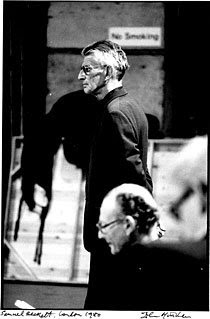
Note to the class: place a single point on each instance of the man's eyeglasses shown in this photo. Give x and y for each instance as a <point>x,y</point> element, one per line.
<point>87,68</point>
<point>102,227</point>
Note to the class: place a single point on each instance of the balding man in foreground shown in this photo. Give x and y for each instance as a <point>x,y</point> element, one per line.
<point>160,275</point>
<point>128,220</point>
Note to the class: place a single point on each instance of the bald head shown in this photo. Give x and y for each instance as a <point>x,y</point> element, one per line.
<point>128,213</point>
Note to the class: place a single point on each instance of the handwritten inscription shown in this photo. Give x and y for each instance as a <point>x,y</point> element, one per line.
<point>24,313</point>
<point>91,314</point>
<point>149,315</point>
<point>69,314</point>
<point>86,314</point>
<point>165,314</point>
<point>45,314</point>
<point>50,314</point>
<point>6,313</point>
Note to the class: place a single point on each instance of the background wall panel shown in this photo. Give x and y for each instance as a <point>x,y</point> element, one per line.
<point>75,24</point>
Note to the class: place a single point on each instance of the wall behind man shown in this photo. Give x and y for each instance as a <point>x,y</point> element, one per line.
<point>73,25</point>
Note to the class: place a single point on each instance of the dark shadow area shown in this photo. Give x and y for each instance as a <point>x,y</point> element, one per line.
<point>186,69</point>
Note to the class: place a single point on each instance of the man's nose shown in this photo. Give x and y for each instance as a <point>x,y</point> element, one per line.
<point>100,234</point>
<point>81,75</point>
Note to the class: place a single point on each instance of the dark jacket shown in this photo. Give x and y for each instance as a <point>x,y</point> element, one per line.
<point>160,276</point>
<point>118,155</point>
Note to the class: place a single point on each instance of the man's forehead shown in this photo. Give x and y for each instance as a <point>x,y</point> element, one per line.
<point>90,60</point>
<point>109,209</point>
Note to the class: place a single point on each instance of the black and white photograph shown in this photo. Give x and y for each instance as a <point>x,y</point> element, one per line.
<point>104,175</point>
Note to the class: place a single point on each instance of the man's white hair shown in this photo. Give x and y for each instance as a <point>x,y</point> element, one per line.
<point>135,190</point>
<point>109,53</point>
<point>152,230</point>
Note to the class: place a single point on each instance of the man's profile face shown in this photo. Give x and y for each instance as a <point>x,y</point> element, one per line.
<point>92,75</point>
<point>115,234</point>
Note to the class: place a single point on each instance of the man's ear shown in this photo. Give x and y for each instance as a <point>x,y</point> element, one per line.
<point>130,224</point>
<point>109,72</point>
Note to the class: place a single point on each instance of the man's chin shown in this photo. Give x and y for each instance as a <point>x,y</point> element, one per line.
<point>113,250</point>
<point>86,90</point>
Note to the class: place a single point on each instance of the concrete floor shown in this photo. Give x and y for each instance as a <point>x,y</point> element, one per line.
<point>42,295</point>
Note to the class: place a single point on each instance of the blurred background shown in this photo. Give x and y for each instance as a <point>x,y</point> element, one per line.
<point>42,42</point>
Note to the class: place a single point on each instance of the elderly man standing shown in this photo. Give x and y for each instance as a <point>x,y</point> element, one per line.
<point>119,150</point>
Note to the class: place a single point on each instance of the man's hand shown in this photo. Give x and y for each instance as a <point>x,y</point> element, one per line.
<point>40,198</point>
<point>36,199</point>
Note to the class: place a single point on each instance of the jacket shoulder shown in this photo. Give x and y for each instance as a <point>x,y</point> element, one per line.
<point>129,108</point>
<point>125,104</point>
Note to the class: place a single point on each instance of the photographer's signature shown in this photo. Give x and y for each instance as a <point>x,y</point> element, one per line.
<point>164,315</point>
